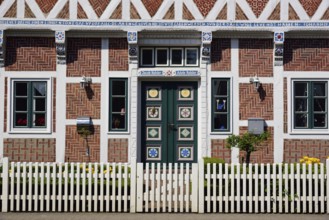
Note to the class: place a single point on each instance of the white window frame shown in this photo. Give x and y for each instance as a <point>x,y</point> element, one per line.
<point>11,93</point>
<point>156,56</point>
<point>290,100</point>
<point>182,60</point>
<point>197,56</point>
<point>141,55</point>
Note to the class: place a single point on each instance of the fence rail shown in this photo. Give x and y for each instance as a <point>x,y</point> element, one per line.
<point>211,188</point>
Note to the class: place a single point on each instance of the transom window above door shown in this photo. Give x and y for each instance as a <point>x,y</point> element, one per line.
<point>169,56</point>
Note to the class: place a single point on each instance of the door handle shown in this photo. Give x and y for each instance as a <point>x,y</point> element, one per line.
<point>171,126</point>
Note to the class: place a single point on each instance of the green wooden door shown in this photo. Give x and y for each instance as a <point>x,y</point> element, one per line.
<point>169,122</point>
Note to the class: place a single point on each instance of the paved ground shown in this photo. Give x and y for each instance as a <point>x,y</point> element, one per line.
<point>116,216</point>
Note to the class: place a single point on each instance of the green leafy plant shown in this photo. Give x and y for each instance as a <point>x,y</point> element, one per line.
<point>247,142</point>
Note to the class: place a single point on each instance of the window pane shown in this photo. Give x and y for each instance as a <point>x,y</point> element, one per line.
<point>39,120</point>
<point>21,89</point>
<point>39,88</point>
<point>220,105</point>
<point>162,57</point>
<point>21,104</point>
<point>118,104</point>
<point>220,87</point>
<point>191,56</point>
<point>21,119</point>
<point>40,104</point>
<point>147,57</point>
<point>118,121</point>
<point>320,120</point>
<point>301,120</point>
<point>176,56</point>
<point>319,105</point>
<point>300,104</point>
<point>220,122</point>
<point>119,87</point>
<point>300,89</point>
<point>319,89</point>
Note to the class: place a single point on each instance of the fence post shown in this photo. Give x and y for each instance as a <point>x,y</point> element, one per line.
<point>327,168</point>
<point>133,186</point>
<point>195,187</point>
<point>201,186</point>
<point>5,174</point>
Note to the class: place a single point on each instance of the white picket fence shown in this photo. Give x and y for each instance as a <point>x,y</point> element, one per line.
<point>111,187</point>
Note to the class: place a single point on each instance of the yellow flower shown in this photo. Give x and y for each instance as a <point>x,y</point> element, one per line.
<point>301,161</point>
<point>305,157</point>
<point>308,162</point>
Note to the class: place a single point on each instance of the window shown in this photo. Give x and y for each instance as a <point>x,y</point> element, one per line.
<point>191,55</point>
<point>30,105</point>
<point>118,104</point>
<point>310,104</point>
<point>167,56</point>
<point>220,105</point>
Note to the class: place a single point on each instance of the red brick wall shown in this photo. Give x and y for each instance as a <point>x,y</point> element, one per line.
<point>118,150</point>
<point>5,106</point>
<point>118,54</point>
<point>310,6</point>
<point>76,146</point>
<point>152,6</point>
<point>30,54</point>
<point>30,150</point>
<point>46,5</point>
<point>99,6</point>
<point>257,6</point>
<point>296,149</point>
<point>205,6</point>
<point>83,102</point>
<point>255,104</point>
<point>265,151</point>
<point>83,57</point>
<point>221,55</point>
<point>306,55</point>
<point>256,57</point>
<point>218,150</point>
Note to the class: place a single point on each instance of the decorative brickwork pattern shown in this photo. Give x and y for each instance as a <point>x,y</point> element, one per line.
<point>218,150</point>
<point>77,149</point>
<point>12,11</point>
<point>5,106</point>
<point>46,5</point>
<point>239,14</point>
<point>28,12</point>
<point>187,15</point>
<point>170,15</point>
<point>30,150</point>
<point>256,57</point>
<point>222,14</point>
<point>81,13</point>
<point>285,106</point>
<point>221,55</point>
<point>152,6</point>
<point>54,104</point>
<point>118,150</point>
<point>117,14</point>
<point>310,6</point>
<point>265,151</point>
<point>133,12</point>
<point>306,55</point>
<point>205,6</point>
<point>275,14</point>
<point>83,102</point>
<point>257,6</point>
<point>256,104</point>
<point>99,6</point>
<point>30,54</point>
<point>118,54</point>
<point>83,57</point>
<point>65,13</point>
<point>326,15</point>
<point>294,150</point>
<point>292,14</point>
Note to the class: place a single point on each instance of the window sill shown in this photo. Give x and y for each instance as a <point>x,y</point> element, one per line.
<point>309,131</point>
